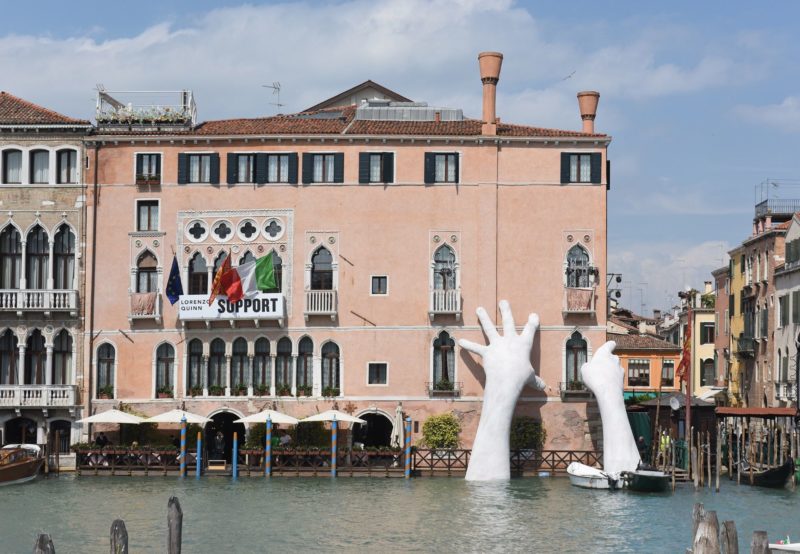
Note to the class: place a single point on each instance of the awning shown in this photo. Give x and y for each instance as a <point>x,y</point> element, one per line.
<point>756,412</point>
<point>708,393</point>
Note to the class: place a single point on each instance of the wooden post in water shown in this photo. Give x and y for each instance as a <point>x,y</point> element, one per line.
<point>689,449</point>
<point>268,449</point>
<point>58,450</point>
<point>729,538</point>
<point>119,537</point>
<point>719,454</point>
<point>708,455</point>
<point>694,474</point>
<point>729,430</point>
<point>174,526</point>
<point>198,466</point>
<point>44,545</point>
<point>698,513</point>
<point>672,458</point>
<point>706,537</point>
<point>759,544</point>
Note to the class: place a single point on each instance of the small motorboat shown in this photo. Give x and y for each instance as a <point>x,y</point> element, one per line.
<point>774,478</point>
<point>644,480</point>
<point>588,477</point>
<point>20,463</point>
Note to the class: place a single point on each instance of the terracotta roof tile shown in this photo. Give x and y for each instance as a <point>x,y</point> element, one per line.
<point>16,111</point>
<point>319,122</point>
<point>640,342</point>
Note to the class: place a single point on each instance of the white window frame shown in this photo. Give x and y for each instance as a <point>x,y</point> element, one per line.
<point>457,154</point>
<point>136,215</point>
<point>161,162</point>
<point>380,295</point>
<point>386,384</point>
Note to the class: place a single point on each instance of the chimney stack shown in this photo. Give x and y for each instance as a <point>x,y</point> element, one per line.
<point>490,64</point>
<point>587,102</point>
<point>708,289</point>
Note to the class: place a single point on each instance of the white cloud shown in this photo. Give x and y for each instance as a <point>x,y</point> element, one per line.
<point>784,116</point>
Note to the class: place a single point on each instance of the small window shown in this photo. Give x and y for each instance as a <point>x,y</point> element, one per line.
<point>246,168</point>
<point>376,167</point>
<point>147,215</point>
<point>40,167</point>
<point>380,284</point>
<point>278,168</point>
<point>12,167</point>
<point>378,373</point>
<point>638,372</point>
<point>323,168</point>
<point>580,168</point>
<point>148,168</point>
<point>199,168</point>
<point>668,373</point>
<point>706,333</point>
<point>441,168</point>
<point>67,166</point>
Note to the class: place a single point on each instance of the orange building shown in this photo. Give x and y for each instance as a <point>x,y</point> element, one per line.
<point>649,363</point>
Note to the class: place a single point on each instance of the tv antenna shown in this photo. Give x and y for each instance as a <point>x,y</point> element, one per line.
<point>276,91</point>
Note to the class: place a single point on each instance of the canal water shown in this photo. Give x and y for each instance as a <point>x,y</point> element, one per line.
<point>378,515</point>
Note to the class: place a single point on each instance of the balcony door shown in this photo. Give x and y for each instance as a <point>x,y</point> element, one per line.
<point>35,359</point>
<point>64,258</point>
<point>578,267</point>
<point>37,256</point>
<point>62,358</point>
<point>576,357</point>
<point>10,258</point>
<point>9,353</point>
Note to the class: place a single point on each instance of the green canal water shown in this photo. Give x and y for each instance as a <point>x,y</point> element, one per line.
<point>377,515</point>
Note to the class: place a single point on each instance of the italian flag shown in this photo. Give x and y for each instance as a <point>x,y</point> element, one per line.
<point>250,278</point>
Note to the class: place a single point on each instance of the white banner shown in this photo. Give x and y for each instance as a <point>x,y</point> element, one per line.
<point>261,306</point>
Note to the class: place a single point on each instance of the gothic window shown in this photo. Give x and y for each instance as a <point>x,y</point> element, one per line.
<point>578,267</point>
<point>322,270</point>
<point>37,255</point>
<point>216,364</point>
<point>444,268</point>
<point>195,363</point>
<point>106,357</point>
<point>147,272</point>
<point>444,359</point>
<point>35,359</point>
<point>64,258</point>
<point>10,258</point>
<point>330,366</point>
<point>277,264</point>
<point>283,363</point>
<point>9,353</point>
<point>62,358</point>
<point>165,365</point>
<point>576,357</point>
<point>305,349</point>
<point>198,275</point>
<point>247,258</point>
<point>239,363</point>
<point>261,363</point>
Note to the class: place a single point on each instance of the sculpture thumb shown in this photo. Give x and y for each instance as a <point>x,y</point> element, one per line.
<point>606,350</point>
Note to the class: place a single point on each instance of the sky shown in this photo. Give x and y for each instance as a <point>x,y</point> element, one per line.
<point>703,103</point>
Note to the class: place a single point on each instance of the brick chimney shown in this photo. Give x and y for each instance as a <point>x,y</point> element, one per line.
<point>587,102</point>
<point>490,64</point>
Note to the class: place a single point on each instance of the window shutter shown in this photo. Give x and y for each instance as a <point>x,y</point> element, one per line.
<point>338,168</point>
<point>388,167</point>
<point>458,168</point>
<point>363,167</point>
<point>233,169</point>
<point>608,174</point>
<point>261,169</point>
<point>308,168</point>
<point>596,164</point>
<point>731,305</point>
<point>139,164</point>
<point>183,169</point>
<point>158,165</point>
<point>293,168</point>
<point>430,168</point>
<point>565,167</point>
<point>214,169</point>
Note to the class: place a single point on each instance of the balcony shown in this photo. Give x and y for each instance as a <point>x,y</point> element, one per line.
<point>745,347</point>
<point>573,388</point>
<point>579,300</point>
<point>45,301</point>
<point>320,302</point>
<point>133,111</point>
<point>445,302</point>
<point>37,396</point>
<point>145,305</point>
<point>785,391</point>
<point>777,206</point>
<point>444,389</point>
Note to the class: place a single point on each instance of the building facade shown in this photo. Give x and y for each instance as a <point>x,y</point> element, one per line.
<point>388,223</point>
<point>722,331</point>
<point>787,320</point>
<point>41,272</point>
<point>649,363</point>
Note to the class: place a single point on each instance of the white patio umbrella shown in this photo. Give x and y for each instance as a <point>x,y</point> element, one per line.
<point>113,416</point>
<point>176,416</point>
<point>276,417</point>
<point>330,415</point>
<point>398,430</point>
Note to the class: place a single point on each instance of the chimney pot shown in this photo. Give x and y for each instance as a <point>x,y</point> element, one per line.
<point>437,116</point>
<point>490,64</point>
<point>587,102</point>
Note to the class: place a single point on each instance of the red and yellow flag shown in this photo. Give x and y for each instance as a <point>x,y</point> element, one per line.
<point>686,356</point>
<point>216,286</point>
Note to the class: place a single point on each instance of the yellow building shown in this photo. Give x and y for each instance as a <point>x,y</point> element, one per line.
<point>741,348</point>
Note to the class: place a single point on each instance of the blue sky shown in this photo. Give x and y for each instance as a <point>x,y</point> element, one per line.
<point>702,99</point>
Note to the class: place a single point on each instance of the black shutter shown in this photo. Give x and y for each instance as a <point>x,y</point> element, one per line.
<point>139,164</point>
<point>731,305</point>
<point>338,168</point>
<point>308,168</point>
<point>430,168</point>
<point>458,168</point>
<point>183,169</point>
<point>608,174</point>
<point>158,165</point>
<point>261,168</point>
<point>233,169</point>
<point>387,163</point>
<point>565,159</point>
<point>293,168</point>
<point>363,167</point>
<point>596,164</point>
<point>214,177</point>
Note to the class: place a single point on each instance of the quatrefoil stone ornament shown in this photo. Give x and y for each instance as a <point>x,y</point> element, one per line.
<point>273,229</point>
<point>248,229</point>
<point>197,230</point>
<point>222,231</point>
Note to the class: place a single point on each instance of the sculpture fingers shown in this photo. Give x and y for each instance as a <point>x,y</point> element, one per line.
<point>487,325</point>
<point>529,331</point>
<point>606,351</point>
<point>473,347</point>
<point>509,329</point>
<point>536,382</point>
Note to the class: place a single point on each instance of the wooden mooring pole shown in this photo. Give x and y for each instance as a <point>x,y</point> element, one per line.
<point>174,526</point>
<point>44,545</point>
<point>119,537</point>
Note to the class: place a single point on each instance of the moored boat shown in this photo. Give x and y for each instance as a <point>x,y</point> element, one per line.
<point>774,478</point>
<point>643,480</point>
<point>20,463</point>
<point>587,477</point>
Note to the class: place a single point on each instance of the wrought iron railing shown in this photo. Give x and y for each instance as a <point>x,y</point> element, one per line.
<point>572,387</point>
<point>775,206</point>
<point>443,389</point>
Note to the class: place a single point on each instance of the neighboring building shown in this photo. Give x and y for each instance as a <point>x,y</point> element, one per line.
<point>787,320</point>
<point>41,272</point>
<point>389,224</point>
<point>366,91</point>
<point>722,330</point>
<point>649,363</point>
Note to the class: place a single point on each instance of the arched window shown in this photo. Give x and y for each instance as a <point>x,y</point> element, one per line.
<point>283,365</point>
<point>785,367</point>
<point>330,366</point>
<point>707,377</point>
<point>64,258</point>
<point>40,166</point>
<point>218,261</point>
<point>37,255</point>
<point>10,258</point>
<point>240,366</point>
<point>106,359</point>
<point>195,363</point>
<point>165,366</point>
<point>444,359</point>
<point>277,264</point>
<point>62,358</point>
<point>444,268</point>
<point>198,275</point>
<point>67,166</point>
<point>147,272</point>
<point>576,357</point>
<point>216,364</point>
<point>305,376</point>
<point>12,166</point>
<point>322,270</point>
<point>35,359</point>
<point>578,267</point>
<point>247,258</point>
<point>261,365</point>
<point>9,353</point>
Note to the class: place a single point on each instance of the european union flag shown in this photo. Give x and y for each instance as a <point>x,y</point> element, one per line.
<point>174,285</point>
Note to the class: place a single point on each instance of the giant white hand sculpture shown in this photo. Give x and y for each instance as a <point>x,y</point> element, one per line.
<point>604,376</point>
<point>507,365</point>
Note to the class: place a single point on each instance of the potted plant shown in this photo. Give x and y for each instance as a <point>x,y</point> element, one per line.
<point>284,390</point>
<point>241,389</point>
<point>216,390</point>
<point>196,391</point>
<point>164,392</point>
<point>304,390</point>
<point>105,393</point>
<point>330,391</point>
<point>261,390</point>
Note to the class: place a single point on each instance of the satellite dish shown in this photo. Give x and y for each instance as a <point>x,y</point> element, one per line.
<point>674,404</point>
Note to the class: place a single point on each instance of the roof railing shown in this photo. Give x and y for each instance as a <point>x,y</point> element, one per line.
<point>172,109</point>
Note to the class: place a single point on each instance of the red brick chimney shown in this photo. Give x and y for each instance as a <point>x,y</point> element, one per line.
<point>587,102</point>
<point>490,64</point>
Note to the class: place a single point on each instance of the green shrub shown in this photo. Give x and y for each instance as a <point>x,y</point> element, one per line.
<point>527,433</point>
<point>256,437</point>
<point>441,431</point>
<point>310,434</point>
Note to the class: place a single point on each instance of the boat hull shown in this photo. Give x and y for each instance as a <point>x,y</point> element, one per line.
<point>588,477</point>
<point>20,472</point>
<point>646,481</point>
<point>589,482</point>
<point>774,478</point>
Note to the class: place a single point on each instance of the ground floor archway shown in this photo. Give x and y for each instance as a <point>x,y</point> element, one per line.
<point>59,436</point>
<point>221,447</point>
<point>376,432</point>
<point>20,430</point>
